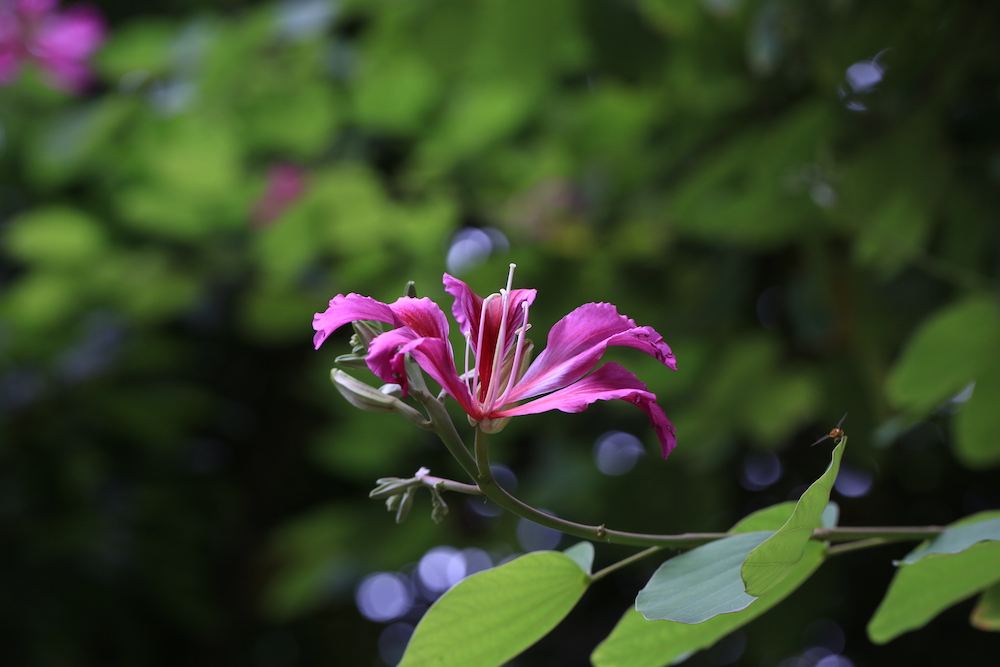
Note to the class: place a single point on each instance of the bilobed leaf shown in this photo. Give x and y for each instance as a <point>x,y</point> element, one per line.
<point>583,554</point>
<point>769,518</point>
<point>980,527</point>
<point>700,584</point>
<point>977,424</point>
<point>636,642</point>
<point>933,577</point>
<point>986,614</point>
<point>773,560</point>
<point>945,354</point>
<point>505,609</point>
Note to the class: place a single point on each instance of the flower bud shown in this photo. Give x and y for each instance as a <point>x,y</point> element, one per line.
<point>389,486</point>
<point>370,399</point>
<point>365,331</point>
<point>404,505</point>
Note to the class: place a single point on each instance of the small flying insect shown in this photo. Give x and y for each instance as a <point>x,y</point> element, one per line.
<point>836,433</point>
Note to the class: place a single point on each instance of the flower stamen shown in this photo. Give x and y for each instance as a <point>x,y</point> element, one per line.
<point>515,368</point>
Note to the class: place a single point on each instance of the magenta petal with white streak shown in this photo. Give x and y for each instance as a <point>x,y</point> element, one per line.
<point>498,382</point>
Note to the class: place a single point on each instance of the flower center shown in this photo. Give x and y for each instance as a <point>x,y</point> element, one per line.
<point>497,361</point>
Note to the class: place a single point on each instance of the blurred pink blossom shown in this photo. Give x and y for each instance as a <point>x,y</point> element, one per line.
<point>58,42</point>
<point>285,184</point>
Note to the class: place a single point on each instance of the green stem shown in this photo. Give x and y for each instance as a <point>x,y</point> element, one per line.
<point>451,485</point>
<point>445,429</point>
<point>600,574</point>
<point>492,490</point>
<point>478,468</point>
<point>853,546</point>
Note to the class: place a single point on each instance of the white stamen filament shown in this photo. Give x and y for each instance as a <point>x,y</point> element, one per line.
<point>467,376</point>
<point>493,397</point>
<point>518,353</point>
<point>498,349</point>
<point>479,345</point>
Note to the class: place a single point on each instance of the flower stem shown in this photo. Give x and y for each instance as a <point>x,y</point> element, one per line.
<point>492,490</point>
<point>600,574</point>
<point>478,468</point>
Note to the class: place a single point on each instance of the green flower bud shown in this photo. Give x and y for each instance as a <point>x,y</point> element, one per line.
<point>365,331</point>
<point>389,486</point>
<point>370,399</point>
<point>404,505</point>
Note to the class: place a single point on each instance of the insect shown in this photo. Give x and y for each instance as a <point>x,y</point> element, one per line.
<point>836,433</point>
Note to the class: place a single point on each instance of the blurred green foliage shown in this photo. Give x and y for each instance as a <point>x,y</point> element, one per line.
<point>179,481</point>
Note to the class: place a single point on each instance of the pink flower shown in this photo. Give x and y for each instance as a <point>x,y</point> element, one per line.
<point>285,184</point>
<point>499,380</point>
<point>60,43</point>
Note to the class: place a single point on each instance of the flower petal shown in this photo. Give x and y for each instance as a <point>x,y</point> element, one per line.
<point>607,382</point>
<point>423,316</point>
<point>467,305</point>
<point>434,356</point>
<point>468,309</point>
<point>350,308</point>
<point>383,352</point>
<point>578,341</point>
<point>414,319</point>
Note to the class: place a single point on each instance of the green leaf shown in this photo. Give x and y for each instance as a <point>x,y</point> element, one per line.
<point>776,515</point>
<point>958,538</point>
<point>56,235</point>
<point>636,642</point>
<point>945,354</point>
<point>506,609</point>
<point>773,560</point>
<point>933,577</point>
<point>986,614</point>
<point>583,554</point>
<point>977,424</point>
<point>701,583</point>
<point>769,518</point>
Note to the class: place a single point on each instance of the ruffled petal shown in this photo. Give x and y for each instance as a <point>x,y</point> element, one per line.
<point>423,316</point>
<point>468,309</point>
<point>350,308</point>
<point>467,306</point>
<point>608,382</point>
<point>578,341</point>
<point>383,352</point>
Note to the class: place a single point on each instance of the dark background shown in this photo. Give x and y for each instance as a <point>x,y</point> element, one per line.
<point>787,192</point>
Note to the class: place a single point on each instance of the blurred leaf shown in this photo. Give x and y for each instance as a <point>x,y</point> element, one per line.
<point>945,354</point>
<point>775,559</point>
<point>476,116</point>
<point>309,550</point>
<point>56,236</point>
<point>140,48</point>
<point>977,424</point>
<point>41,300</point>
<point>701,583</point>
<point>986,614</point>
<point>145,285</point>
<point>748,179</point>
<point>921,589</point>
<point>299,123</point>
<point>896,232</point>
<point>507,609</point>
<point>73,140</point>
<point>394,92</point>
